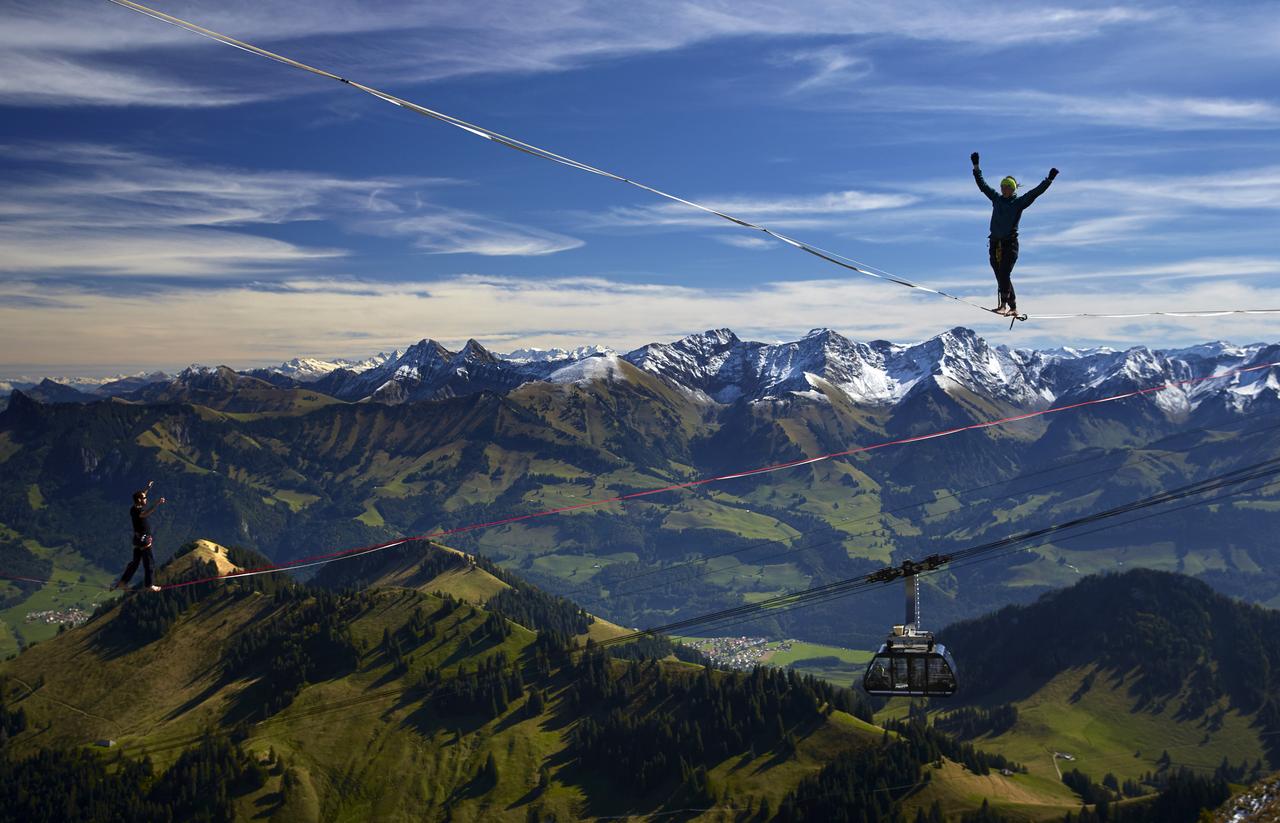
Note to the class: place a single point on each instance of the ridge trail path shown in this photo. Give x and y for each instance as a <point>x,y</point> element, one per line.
<point>36,693</point>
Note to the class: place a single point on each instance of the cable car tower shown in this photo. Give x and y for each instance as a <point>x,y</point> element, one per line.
<point>910,663</point>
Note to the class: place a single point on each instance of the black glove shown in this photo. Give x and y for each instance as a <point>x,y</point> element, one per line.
<point>1053,173</point>
<point>974,158</point>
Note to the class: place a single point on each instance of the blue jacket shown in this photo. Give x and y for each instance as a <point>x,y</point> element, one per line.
<point>1007,211</point>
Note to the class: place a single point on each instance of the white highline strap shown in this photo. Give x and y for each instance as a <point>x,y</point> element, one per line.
<point>527,148</point>
<point>1204,313</point>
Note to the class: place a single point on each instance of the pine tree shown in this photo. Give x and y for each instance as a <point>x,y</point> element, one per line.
<point>537,703</point>
<point>489,774</point>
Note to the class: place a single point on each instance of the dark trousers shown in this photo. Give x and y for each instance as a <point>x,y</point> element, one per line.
<point>1004,253</point>
<point>141,554</point>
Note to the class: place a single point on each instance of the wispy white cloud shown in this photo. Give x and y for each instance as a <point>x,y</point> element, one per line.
<point>1095,231</point>
<point>916,19</point>
<point>458,232</point>
<point>57,52</point>
<point>28,79</point>
<point>1203,268</point>
<point>99,209</point>
<point>746,242</point>
<point>171,253</point>
<point>1243,188</point>
<point>1157,209</point>
<point>1153,111</point>
<point>828,65</point>
<point>71,53</point>
<point>803,211</point>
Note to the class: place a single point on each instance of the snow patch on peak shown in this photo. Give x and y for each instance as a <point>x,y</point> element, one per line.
<point>722,336</point>
<point>1216,350</point>
<point>311,369</point>
<point>553,355</point>
<point>598,367</point>
<point>305,369</point>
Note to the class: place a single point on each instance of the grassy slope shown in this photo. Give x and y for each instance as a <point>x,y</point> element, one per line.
<point>65,590</point>
<point>1020,797</point>
<point>1104,730</point>
<point>360,747</point>
<point>473,585</point>
<point>807,658</point>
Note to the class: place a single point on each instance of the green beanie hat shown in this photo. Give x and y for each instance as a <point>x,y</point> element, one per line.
<point>1010,182</point>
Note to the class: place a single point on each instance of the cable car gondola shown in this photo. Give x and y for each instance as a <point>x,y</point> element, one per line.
<point>910,663</point>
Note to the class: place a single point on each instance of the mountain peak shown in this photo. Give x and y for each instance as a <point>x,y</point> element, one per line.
<point>425,352</point>
<point>21,407</point>
<point>474,351</point>
<point>710,337</point>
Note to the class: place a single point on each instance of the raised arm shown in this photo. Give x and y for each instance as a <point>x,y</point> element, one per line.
<point>977,177</point>
<point>1030,197</point>
<point>152,510</point>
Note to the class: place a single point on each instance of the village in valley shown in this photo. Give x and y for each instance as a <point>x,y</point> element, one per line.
<point>70,616</point>
<point>738,652</point>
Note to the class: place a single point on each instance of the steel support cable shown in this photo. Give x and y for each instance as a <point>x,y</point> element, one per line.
<point>545,154</point>
<point>1263,469</point>
<point>864,517</point>
<point>860,584</point>
<point>797,550</point>
<point>357,702</point>
<point>846,536</point>
<point>354,702</point>
<point>986,558</point>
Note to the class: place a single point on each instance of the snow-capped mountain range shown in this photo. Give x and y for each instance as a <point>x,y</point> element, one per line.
<point>717,366</point>
<point>555,355</point>
<point>310,369</point>
<point>880,373</point>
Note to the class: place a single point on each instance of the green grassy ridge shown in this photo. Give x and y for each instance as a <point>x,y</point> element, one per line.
<point>1105,731</point>
<point>360,748</point>
<point>1019,797</point>
<point>343,740</point>
<point>1118,672</point>
<point>336,743</point>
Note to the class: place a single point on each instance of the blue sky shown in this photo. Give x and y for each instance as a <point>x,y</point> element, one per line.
<point>171,200</point>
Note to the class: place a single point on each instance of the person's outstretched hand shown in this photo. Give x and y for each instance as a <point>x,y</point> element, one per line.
<point>974,158</point>
<point>1053,173</point>
<point>160,501</point>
